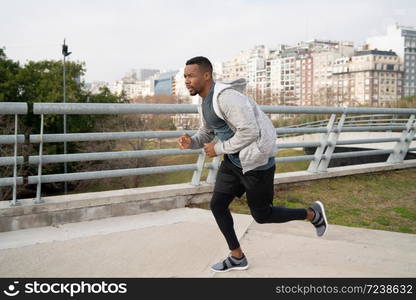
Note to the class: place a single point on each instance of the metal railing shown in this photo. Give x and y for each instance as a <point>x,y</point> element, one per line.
<point>330,129</point>
<point>355,121</point>
<point>12,108</point>
<point>56,108</point>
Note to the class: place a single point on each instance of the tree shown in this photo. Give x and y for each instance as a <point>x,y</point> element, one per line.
<point>41,81</point>
<point>8,84</point>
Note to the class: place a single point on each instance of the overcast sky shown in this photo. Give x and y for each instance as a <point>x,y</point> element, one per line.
<point>112,37</point>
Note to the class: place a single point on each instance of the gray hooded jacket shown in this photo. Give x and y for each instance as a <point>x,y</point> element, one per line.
<point>254,133</point>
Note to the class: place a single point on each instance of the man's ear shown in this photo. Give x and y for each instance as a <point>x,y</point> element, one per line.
<point>207,75</point>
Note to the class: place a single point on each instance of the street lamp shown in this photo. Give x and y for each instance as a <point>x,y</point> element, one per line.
<point>65,53</point>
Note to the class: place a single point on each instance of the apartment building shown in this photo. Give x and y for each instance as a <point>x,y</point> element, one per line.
<point>343,82</point>
<point>330,73</point>
<point>401,40</point>
<point>304,79</point>
<point>378,77</point>
<point>323,62</point>
<point>370,78</point>
<point>236,67</point>
<point>133,89</point>
<point>274,69</point>
<point>256,73</point>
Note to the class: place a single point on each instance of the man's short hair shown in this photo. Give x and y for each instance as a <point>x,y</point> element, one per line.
<point>203,63</point>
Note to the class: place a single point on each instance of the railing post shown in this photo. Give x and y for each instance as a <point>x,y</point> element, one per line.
<point>313,166</point>
<point>14,202</point>
<point>196,178</point>
<point>212,173</point>
<point>332,143</point>
<point>401,147</point>
<point>38,198</point>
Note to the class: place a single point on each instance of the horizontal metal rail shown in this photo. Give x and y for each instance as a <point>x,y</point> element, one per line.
<point>368,141</point>
<point>366,119</point>
<point>110,173</point>
<point>335,110</point>
<point>286,130</point>
<point>111,108</point>
<point>343,142</point>
<point>294,158</point>
<point>298,145</point>
<point>13,108</point>
<point>58,158</point>
<point>10,139</point>
<point>107,108</point>
<point>375,124</point>
<point>106,136</point>
<point>10,161</point>
<point>354,123</point>
<point>8,181</point>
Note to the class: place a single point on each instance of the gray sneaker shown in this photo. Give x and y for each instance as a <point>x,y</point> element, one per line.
<point>319,221</point>
<point>230,263</point>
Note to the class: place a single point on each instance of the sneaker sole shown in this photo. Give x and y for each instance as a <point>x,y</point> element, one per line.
<point>323,213</point>
<point>230,269</point>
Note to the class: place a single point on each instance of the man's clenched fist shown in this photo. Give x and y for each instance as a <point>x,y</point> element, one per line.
<point>184,141</point>
<point>209,149</point>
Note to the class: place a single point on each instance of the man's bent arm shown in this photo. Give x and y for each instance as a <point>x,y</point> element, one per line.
<point>239,113</point>
<point>203,135</point>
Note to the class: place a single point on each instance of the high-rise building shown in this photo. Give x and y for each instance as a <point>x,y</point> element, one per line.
<point>370,77</point>
<point>304,79</point>
<point>256,73</point>
<point>323,62</point>
<point>274,69</point>
<point>401,40</point>
<point>236,67</point>
<point>343,82</point>
<point>133,89</point>
<point>165,83</point>
<point>378,77</point>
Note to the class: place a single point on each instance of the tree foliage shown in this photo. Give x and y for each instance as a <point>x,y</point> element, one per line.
<point>42,81</point>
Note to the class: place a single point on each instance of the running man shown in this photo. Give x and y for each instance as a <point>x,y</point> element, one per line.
<point>247,138</point>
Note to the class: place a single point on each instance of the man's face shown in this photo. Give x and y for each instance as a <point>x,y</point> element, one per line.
<point>195,79</point>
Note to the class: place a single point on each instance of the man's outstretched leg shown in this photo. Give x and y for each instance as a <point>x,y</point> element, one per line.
<point>259,186</point>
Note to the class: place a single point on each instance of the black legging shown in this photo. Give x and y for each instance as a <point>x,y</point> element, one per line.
<point>270,214</point>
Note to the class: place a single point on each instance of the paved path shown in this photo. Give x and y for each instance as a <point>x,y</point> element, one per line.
<point>185,242</point>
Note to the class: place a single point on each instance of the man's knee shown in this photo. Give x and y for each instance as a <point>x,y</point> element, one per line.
<point>261,216</point>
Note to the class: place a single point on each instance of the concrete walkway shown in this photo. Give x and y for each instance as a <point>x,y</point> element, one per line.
<point>185,242</point>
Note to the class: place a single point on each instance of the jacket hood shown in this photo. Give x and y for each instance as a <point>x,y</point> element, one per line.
<point>239,84</point>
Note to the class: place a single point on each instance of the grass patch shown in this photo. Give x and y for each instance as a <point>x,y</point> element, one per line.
<point>363,200</point>
<point>291,166</point>
<point>405,213</point>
